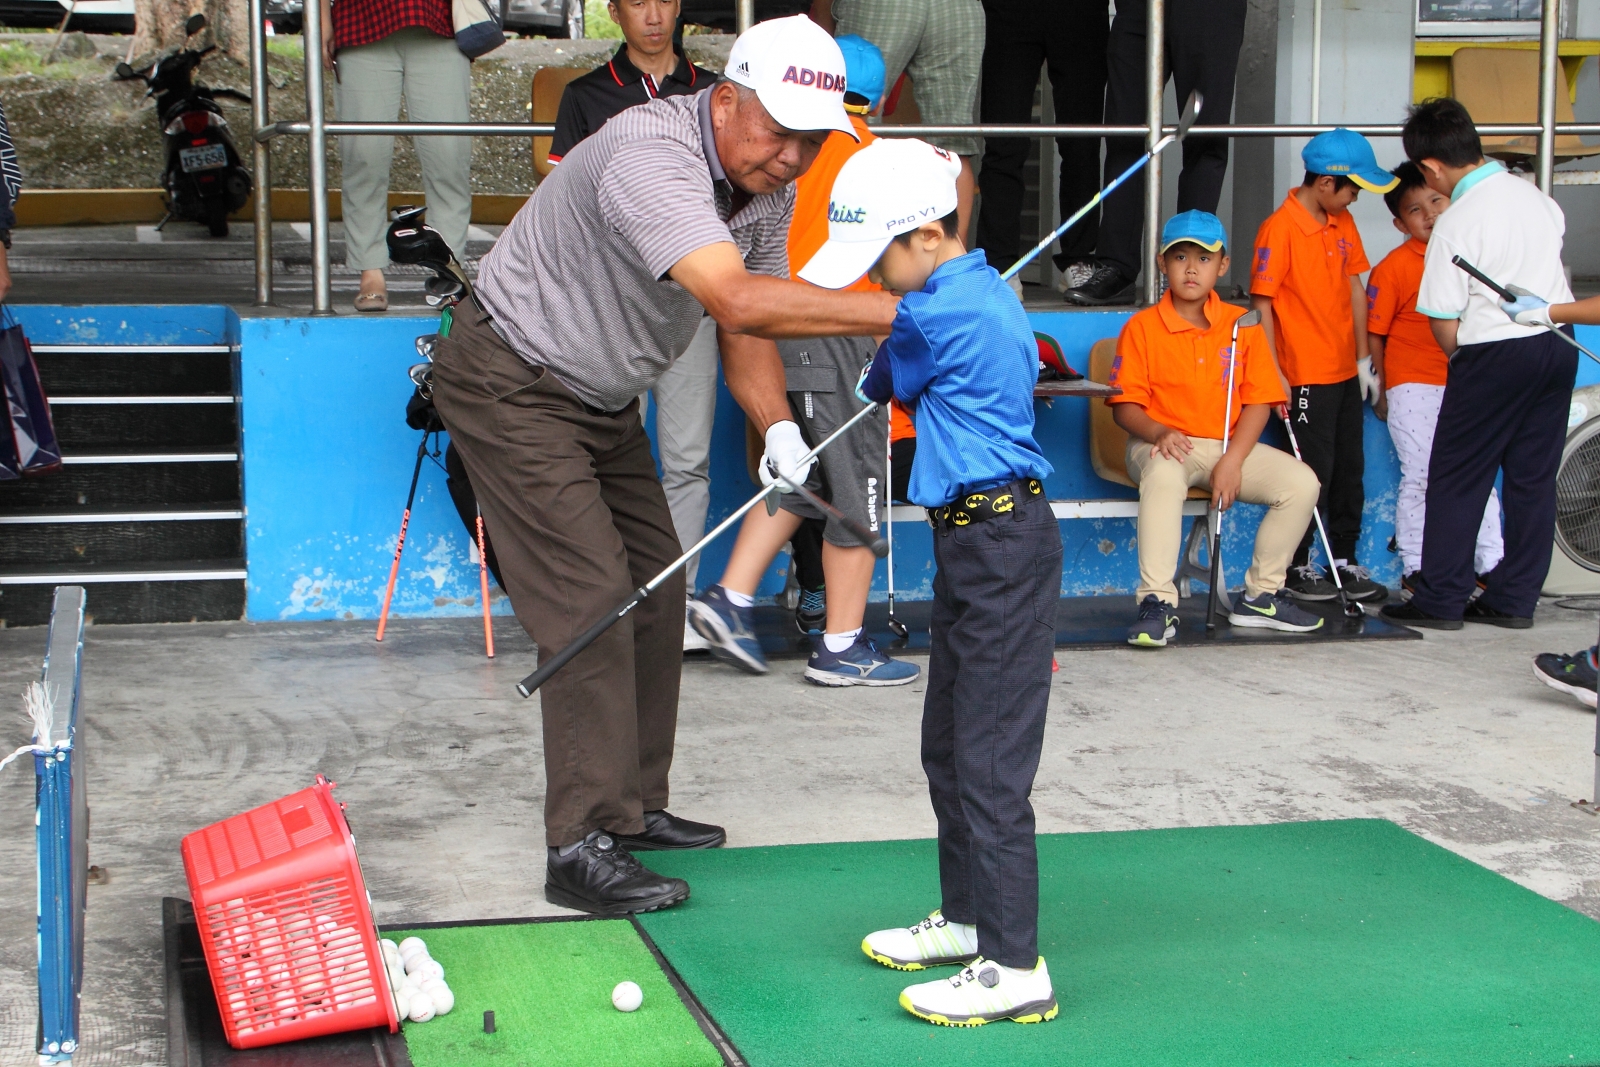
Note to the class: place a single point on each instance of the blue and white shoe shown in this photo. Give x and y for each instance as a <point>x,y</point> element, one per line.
<point>811,614</point>
<point>1272,612</point>
<point>860,664</point>
<point>728,629</point>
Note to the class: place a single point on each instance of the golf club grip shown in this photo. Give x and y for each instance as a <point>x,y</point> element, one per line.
<point>1504,293</point>
<point>533,681</point>
<point>878,545</point>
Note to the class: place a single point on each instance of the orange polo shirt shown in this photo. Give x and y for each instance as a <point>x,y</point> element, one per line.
<point>1410,353</point>
<point>1305,267</point>
<point>1178,372</point>
<point>808,230</point>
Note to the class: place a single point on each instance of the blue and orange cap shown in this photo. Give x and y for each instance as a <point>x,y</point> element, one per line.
<point>1197,227</point>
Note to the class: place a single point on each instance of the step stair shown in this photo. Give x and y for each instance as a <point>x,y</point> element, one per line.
<point>147,510</point>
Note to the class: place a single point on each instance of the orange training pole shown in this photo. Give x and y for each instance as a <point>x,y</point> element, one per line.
<point>405,520</point>
<point>483,583</point>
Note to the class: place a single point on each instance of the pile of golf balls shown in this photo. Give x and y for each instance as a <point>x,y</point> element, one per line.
<point>417,979</point>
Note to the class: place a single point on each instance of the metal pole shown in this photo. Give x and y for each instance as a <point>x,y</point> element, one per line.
<point>262,151</point>
<point>1155,87</point>
<point>1549,70</point>
<point>744,14</point>
<point>321,294</point>
<point>1316,61</point>
<point>1594,797</point>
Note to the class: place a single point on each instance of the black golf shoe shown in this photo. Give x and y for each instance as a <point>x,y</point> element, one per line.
<point>602,878</point>
<point>1108,285</point>
<point>1408,614</point>
<point>665,832</point>
<point>1310,582</point>
<point>1478,611</point>
<point>1358,584</point>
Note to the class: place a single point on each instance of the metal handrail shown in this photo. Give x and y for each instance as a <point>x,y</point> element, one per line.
<point>318,130</point>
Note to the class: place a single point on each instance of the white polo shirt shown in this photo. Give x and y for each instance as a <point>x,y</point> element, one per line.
<point>1510,231</point>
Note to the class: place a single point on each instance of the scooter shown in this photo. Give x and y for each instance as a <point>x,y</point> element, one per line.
<point>204,178</point>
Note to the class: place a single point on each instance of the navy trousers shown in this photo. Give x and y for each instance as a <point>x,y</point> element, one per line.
<point>1504,410</point>
<point>994,621</point>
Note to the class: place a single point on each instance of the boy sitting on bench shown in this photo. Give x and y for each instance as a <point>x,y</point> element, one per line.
<point>1172,364</point>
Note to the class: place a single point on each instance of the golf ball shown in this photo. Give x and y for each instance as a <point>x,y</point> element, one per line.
<point>439,993</point>
<point>421,1007</point>
<point>627,996</point>
<point>411,945</point>
<point>417,961</point>
<point>429,968</point>
<point>402,1002</point>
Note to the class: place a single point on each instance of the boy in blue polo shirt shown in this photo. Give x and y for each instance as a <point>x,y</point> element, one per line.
<point>962,357</point>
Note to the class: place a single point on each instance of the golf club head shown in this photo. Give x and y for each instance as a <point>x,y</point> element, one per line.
<point>1352,610</point>
<point>443,289</point>
<point>880,548</point>
<point>1248,319</point>
<point>1191,112</point>
<point>898,628</point>
<point>774,498</point>
<point>421,375</point>
<point>425,346</point>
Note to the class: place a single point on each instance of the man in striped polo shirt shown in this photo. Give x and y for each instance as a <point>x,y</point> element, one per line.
<point>597,286</point>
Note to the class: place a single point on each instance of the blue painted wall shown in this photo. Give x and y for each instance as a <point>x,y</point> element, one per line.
<point>327,459</point>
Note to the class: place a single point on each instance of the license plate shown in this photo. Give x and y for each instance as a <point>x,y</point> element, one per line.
<point>206,157</point>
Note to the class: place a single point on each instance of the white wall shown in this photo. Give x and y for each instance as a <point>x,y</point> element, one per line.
<point>1366,77</point>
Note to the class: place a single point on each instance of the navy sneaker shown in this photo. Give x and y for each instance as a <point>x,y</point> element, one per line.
<point>811,614</point>
<point>1574,674</point>
<point>860,664</point>
<point>1157,623</point>
<point>1358,584</point>
<point>1269,612</point>
<point>1310,582</point>
<point>730,630</point>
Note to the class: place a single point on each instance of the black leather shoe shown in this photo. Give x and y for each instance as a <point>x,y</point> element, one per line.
<point>664,832</point>
<point>1107,285</point>
<point>602,878</point>
<point>1478,611</point>
<point>1408,614</point>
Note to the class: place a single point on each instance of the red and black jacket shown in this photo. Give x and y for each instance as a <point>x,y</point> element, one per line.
<point>589,101</point>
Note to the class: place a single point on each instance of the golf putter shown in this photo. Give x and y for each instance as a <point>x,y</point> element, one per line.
<point>896,627</point>
<point>1191,111</point>
<point>1248,319</point>
<point>1351,609</point>
<point>1510,294</point>
<point>548,667</point>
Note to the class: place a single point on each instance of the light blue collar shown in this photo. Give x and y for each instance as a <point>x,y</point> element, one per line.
<point>1465,185</point>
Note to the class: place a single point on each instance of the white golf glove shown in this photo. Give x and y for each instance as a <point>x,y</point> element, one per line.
<point>1371,388</point>
<point>784,463</point>
<point>1528,310</point>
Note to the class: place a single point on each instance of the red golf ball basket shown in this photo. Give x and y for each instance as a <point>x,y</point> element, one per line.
<point>286,922</point>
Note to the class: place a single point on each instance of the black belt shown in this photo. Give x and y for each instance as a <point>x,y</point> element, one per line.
<point>985,504</point>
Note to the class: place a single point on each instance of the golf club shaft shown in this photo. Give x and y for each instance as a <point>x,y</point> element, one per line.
<point>1509,297</point>
<point>400,542</point>
<point>1138,164</point>
<point>888,503</point>
<point>878,545</point>
<point>1333,566</point>
<point>1227,426</point>
<point>483,586</point>
<point>532,682</point>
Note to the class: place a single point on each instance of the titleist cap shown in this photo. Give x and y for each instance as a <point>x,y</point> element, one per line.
<point>888,188</point>
<point>796,70</point>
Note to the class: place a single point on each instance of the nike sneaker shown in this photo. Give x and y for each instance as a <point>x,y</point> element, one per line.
<point>1309,582</point>
<point>1574,675</point>
<point>1156,625</point>
<point>1358,584</point>
<point>1270,612</point>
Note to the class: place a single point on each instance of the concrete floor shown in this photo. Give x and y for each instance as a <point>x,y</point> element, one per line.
<point>439,762</point>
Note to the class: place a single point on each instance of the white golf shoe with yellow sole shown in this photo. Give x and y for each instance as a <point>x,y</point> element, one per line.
<point>933,942</point>
<point>984,992</point>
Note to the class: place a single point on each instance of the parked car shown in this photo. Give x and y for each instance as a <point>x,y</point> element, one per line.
<point>285,15</point>
<point>551,18</point>
<point>90,16</point>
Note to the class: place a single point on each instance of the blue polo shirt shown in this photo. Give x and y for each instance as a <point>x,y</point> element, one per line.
<point>962,357</point>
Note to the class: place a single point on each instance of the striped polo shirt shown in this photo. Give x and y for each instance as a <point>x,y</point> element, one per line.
<point>578,281</point>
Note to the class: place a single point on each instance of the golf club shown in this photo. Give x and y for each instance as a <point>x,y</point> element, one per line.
<point>1510,295</point>
<point>548,667</point>
<point>483,586</point>
<point>1191,111</point>
<point>1248,319</point>
<point>1351,609</point>
<point>896,627</point>
<point>878,545</point>
<point>400,544</point>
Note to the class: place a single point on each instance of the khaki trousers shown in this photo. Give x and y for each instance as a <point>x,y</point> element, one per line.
<point>1285,485</point>
<point>579,521</point>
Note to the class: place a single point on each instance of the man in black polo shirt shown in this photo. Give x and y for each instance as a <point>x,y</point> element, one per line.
<point>645,67</point>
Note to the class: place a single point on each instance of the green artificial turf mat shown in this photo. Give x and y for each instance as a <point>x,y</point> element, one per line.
<point>549,986</point>
<point>1323,943</point>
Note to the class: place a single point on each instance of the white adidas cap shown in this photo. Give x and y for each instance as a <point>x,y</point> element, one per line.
<point>890,187</point>
<point>796,70</point>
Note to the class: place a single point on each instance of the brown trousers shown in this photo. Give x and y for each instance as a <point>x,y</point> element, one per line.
<point>579,521</point>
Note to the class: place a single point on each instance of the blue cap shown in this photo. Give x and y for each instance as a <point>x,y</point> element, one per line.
<point>863,68</point>
<point>1198,227</point>
<point>1344,153</point>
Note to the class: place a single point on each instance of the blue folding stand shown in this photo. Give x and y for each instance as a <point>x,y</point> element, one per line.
<point>62,820</point>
